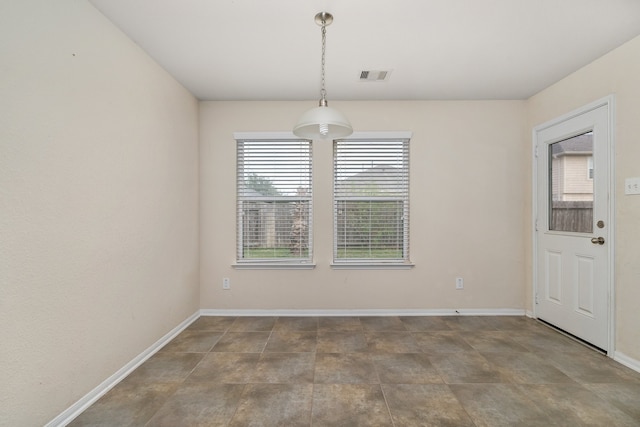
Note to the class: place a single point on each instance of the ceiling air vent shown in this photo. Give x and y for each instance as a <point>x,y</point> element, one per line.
<point>374,75</point>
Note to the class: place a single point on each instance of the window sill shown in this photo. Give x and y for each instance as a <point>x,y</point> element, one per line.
<point>372,265</point>
<point>273,266</point>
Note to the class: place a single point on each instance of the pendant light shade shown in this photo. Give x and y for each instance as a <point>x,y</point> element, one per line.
<point>323,122</point>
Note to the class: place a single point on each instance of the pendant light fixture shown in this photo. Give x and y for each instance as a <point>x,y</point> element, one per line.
<point>323,122</point>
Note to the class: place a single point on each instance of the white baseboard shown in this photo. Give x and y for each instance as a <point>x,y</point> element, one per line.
<point>627,361</point>
<point>90,398</point>
<point>366,312</point>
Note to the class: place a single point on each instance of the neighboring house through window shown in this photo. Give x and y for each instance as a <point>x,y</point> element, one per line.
<point>570,159</point>
<point>371,199</point>
<point>274,199</point>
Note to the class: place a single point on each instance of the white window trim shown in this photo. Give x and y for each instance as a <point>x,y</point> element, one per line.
<point>265,135</point>
<point>373,264</point>
<point>401,134</point>
<point>248,265</point>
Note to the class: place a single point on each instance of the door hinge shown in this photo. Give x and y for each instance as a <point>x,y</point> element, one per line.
<point>536,224</point>
<point>536,298</point>
<point>536,150</point>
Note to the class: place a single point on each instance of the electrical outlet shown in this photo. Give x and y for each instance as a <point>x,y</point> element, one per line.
<point>459,283</point>
<point>226,283</point>
<point>632,185</point>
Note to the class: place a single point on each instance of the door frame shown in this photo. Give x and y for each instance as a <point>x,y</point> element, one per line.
<point>609,102</point>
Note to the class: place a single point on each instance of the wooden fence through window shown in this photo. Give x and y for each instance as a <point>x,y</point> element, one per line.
<point>576,216</point>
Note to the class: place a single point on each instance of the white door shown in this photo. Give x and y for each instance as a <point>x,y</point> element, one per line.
<point>573,245</point>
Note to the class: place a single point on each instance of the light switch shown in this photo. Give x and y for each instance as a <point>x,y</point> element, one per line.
<point>632,185</point>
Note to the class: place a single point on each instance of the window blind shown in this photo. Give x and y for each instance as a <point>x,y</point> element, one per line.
<point>274,200</point>
<point>371,200</point>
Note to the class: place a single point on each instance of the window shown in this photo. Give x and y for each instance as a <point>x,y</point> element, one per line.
<point>570,191</point>
<point>274,218</point>
<point>371,200</point>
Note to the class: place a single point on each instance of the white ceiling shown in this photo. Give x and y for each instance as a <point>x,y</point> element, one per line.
<point>436,49</point>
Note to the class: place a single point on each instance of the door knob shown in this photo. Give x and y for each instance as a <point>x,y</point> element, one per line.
<point>598,240</point>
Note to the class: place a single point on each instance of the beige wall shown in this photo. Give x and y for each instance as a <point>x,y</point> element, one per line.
<point>617,73</point>
<point>98,205</point>
<point>467,192</point>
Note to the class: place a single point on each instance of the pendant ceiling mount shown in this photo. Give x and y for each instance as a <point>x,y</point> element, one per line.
<point>324,18</point>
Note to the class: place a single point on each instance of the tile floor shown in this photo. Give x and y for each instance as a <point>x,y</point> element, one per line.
<point>372,371</point>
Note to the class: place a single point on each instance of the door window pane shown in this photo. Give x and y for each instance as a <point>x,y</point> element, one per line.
<point>571,172</point>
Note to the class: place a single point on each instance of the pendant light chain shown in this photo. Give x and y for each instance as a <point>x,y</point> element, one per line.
<point>323,92</point>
